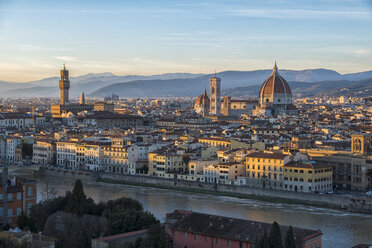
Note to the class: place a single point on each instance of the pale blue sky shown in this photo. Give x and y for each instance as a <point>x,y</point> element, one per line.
<point>196,36</point>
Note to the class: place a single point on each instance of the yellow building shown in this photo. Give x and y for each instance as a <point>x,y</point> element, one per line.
<point>307,177</point>
<point>265,169</point>
<point>215,141</point>
<point>161,162</point>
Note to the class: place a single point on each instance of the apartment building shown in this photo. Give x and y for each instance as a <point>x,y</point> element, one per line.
<point>225,173</point>
<point>44,151</point>
<point>309,176</point>
<point>21,196</point>
<point>265,169</point>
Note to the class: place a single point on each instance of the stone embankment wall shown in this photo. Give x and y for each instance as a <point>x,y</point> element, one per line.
<point>327,200</point>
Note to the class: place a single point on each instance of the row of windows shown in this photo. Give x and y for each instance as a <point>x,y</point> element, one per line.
<point>274,168</point>
<point>310,180</point>
<point>205,237</point>
<point>265,160</point>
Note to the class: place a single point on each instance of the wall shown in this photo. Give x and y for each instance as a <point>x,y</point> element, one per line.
<point>326,200</point>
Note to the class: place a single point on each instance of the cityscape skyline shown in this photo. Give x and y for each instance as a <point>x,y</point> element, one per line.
<point>149,38</point>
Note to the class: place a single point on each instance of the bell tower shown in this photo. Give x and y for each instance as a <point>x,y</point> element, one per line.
<point>215,91</point>
<point>64,86</point>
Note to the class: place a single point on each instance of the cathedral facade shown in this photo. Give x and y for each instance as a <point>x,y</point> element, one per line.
<point>275,98</point>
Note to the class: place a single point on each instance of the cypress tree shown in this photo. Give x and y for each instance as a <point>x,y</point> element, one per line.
<point>275,239</point>
<point>77,200</point>
<point>289,241</point>
<point>265,240</point>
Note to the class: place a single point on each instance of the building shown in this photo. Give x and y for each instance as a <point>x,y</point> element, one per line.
<point>44,151</point>
<point>104,119</point>
<point>275,96</point>
<point>202,104</point>
<point>225,173</point>
<point>103,106</point>
<point>351,169</point>
<point>21,196</point>
<point>308,176</point>
<point>192,229</point>
<point>82,99</point>
<point>20,121</point>
<point>64,86</point>
<point>237,107</point>
<point>67,153</point>
<point>215,141</point>
<point>119,240</point>
<point>161,162</point>
<point>265,169</point>
<point>215,91</point>
<point>62,109</point>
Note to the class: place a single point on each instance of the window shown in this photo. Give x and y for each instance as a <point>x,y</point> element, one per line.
<point>10,196</point>
<point>29,193</point>
<point>19,195</point>
<point>185,234</point>
<point>10,212</point>
<point>217,240</point>
<point>206,238</point>
<point>19,211</point>
<point>228,242</point>
<point>29,206</point>
<point>196,237</point>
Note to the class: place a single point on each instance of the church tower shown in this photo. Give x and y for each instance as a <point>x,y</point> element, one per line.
<point>82,99</point>
<point>64,85</point>
<point>215,90</point>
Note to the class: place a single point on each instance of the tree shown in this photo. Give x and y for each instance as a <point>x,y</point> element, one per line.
<point>25,223</point>
<point>128,245</point>
<point>155,238</point>
<point>263,242</point>
<point>77,202</point>
<point>289,241</point>
<point>186,159</point>
<point>275,239</point>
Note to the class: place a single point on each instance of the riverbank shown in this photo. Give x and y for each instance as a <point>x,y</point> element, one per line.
<point>327,201</point>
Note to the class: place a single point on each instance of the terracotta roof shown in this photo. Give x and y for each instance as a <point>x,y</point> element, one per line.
<point>267,155</point>
<point>275,84</point>
<point>231,228</point>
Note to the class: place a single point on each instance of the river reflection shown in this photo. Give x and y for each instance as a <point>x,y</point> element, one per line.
<point>340,229</point>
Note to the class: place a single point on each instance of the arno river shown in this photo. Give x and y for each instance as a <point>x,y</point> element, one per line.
<point>340,229</point>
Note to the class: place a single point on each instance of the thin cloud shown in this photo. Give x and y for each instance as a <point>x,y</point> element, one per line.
<point>299,13</point>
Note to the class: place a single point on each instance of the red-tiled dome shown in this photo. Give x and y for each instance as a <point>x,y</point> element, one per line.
<point>199,100</point>
<point>275,84</point>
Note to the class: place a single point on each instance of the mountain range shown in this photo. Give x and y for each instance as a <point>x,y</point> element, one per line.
<point>234,83</point>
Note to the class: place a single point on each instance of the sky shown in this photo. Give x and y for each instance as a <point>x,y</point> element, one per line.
<point>196,36</point>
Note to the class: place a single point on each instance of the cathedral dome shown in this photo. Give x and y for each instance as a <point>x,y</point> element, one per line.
<point>199,100</point>
<point>275,89</point>
<point>202,99</point>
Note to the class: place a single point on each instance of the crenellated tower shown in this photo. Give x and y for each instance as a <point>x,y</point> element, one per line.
<point>64,86</point>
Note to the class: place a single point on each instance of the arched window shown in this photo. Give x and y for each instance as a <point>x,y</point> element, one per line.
<point>267,99</point>
<point>357,145</point>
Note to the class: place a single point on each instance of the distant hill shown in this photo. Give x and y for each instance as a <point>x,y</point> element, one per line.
<point>179,84</point>
<point>361,88</point>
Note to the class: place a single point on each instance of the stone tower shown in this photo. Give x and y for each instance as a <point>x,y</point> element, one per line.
<point>82,98</point>
<point>215,87</point>
<point>64,86</point>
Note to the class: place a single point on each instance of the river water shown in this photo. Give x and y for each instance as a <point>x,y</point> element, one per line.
<point>340,229</point>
